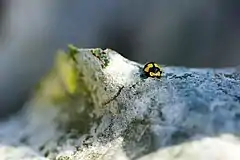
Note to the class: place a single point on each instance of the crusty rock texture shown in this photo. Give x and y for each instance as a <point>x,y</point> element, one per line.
<point>96,105</point>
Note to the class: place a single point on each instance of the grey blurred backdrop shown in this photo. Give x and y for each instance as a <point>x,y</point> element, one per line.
<point>193,33</point>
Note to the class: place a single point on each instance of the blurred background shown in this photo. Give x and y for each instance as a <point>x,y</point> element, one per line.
<point>190,33</point>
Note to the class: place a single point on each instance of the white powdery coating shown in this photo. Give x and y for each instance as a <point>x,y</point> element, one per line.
<point>11,132</point>
<point>99,151</point>
<point>18,153</point>
<point>22,135</point>
<point>120,69</point>
<point>225,147</point>
<point>11,128</point>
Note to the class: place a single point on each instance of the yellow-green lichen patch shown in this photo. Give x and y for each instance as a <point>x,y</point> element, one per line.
<point>61,80</point>
<point>102,56</point>
<point>75,86</point>
<point>73,51</point>
<point>67,72</point>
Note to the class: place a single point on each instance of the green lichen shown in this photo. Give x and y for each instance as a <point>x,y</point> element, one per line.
<point>61,80</point>
<point>73,51</point>
<point>74,86</point>
<point>102,56</point>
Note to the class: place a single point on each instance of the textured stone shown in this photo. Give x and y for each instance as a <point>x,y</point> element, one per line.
<point>95,104</point>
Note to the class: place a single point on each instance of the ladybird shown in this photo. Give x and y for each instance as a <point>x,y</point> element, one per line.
<point>152,69</point>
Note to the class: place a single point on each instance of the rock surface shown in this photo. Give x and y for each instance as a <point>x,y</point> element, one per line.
<point>95,104</point>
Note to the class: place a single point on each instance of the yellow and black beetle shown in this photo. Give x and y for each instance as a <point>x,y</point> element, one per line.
<point>152,69</point>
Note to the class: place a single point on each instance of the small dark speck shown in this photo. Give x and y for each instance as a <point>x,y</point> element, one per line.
<point>24,139</point>
<point>237,116</point>
<point>143,76</point>
<point>161,116</point>
<point>41,148</point>
<point>133,86</point>
<point>168,74</point>
<point>228,75</point>
<point>88,137</point>
<point>100,135</point>
<point>46,154</point>
<point>237,98</point>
